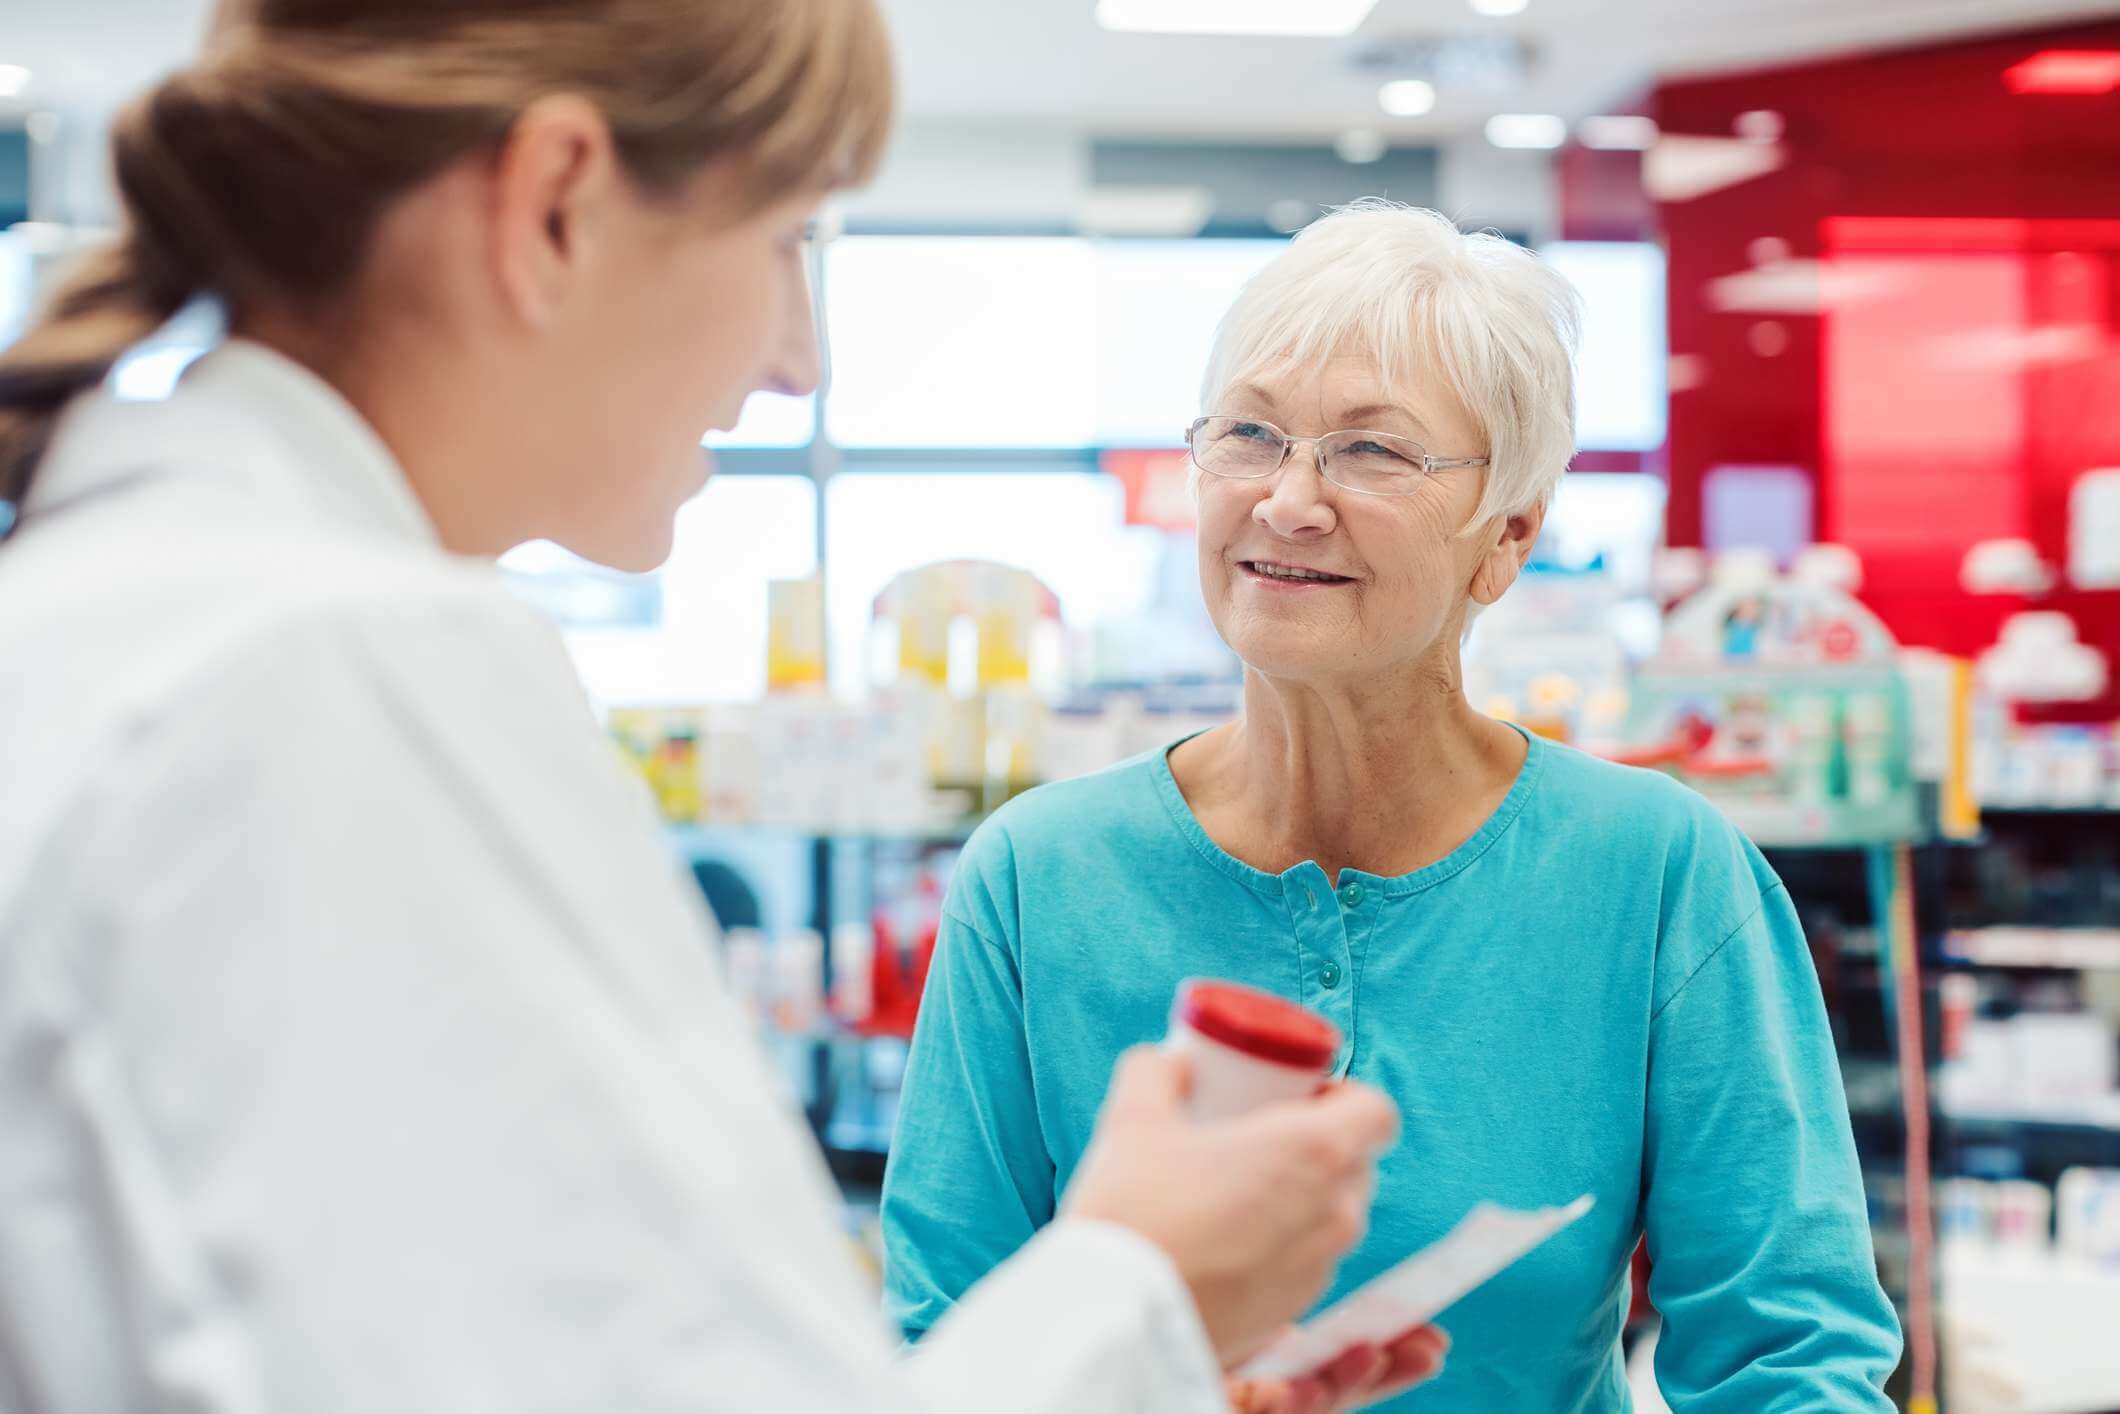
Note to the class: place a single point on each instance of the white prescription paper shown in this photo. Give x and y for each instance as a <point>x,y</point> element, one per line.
<point>1418,1289</point>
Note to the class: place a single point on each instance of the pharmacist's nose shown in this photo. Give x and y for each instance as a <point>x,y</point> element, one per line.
<point>797,366</point>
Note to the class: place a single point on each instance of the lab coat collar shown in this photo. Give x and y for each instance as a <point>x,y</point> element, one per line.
<point>245,419</point>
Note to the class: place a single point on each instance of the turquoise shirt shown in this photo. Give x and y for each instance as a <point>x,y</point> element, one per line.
<point>1605,990</point>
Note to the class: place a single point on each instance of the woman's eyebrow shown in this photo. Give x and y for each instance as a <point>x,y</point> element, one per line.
<point>1254,394</point>
<point>1354,417</point>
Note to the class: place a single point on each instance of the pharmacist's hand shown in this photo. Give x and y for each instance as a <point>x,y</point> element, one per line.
<point>1254,1211</point>
<point>1357,1378</point>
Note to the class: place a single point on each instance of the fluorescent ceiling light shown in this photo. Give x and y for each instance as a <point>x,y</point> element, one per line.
<point>1618,132</point>
<point>1500,8</point>
<point>13,79</point>
<point>1407,98</point>
<point>1320,18</point>
<point>1289,216</point>
<point>1539,130</point>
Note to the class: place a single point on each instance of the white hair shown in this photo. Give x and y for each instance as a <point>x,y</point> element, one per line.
<point>1404,286</point>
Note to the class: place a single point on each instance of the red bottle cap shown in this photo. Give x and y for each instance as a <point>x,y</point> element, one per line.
<point>1259,1024</point>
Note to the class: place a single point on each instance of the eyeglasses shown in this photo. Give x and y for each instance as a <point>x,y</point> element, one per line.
<point>1373,463</point>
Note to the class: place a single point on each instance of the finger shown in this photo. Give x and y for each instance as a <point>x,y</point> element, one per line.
<point>1307,1395</point>
<point>1349,1223</point>
<point>1349,1113</point>
<point>1413,1359</point>
<point>1423,1339</point>
<point>1406,1368</point>
<point>1352,1371</point>
<point>1259,1396</point>
<point>1148,1083</point>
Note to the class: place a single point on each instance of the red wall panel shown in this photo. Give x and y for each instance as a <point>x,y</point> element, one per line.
<point>1941,350</point>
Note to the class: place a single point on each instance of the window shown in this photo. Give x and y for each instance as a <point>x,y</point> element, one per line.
<point>16,291</point>
<point>961,342</point>
<point>1012,341</point>
<point>1608,520</point>
<point>1067,528</point>
<point>702,637</point>
<point>1158,303</point>
<point>771,420</point>
<point>1619,387</point>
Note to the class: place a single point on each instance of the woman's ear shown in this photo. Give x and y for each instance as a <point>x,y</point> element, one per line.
<point>1509,545</point>
<point>555,170</point>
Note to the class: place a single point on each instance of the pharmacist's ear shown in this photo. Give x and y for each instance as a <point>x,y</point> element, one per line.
<point>1505,544</point>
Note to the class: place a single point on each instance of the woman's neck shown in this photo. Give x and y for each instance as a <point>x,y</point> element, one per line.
<point>437,434</point>
<point>1384,775</point>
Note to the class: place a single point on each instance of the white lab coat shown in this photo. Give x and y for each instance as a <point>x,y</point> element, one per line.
<point>360,1045</point>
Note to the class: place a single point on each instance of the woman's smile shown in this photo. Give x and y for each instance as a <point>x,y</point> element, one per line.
<point>1291,576</point>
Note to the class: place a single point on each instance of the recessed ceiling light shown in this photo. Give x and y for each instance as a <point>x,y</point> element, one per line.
<point>1285,18</point>
<point>1289,215</point>
<point>1407,98</point>
<point>2091,71</point>
<point>1361,146</point>
<point>13,79</point>
<point>1500,8</point>
<point>1618,132</point>
<point>1536,130</point>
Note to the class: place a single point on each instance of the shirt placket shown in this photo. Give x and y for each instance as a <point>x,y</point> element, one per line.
<point>1323,918</point>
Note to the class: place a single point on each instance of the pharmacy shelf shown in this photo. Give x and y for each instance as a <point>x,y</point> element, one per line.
<point>1785,824</point>
<point>2065,949</point>
<point>2092,1116</point>
<point>2029,1333</point>
<point>1873,1094</point>
<point>2084,808</point>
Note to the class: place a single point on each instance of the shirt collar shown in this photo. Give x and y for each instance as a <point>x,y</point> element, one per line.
<point>245,420</point>
<point>336,456</point>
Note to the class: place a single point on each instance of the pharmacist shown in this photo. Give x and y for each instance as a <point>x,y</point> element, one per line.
<point>359,1047</point>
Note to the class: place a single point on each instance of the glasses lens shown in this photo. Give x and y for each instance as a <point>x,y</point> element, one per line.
<point>1231,446</point>
<point>1373,462</point>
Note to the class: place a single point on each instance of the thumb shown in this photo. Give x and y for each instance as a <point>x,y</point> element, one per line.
<point>1149,1084</point>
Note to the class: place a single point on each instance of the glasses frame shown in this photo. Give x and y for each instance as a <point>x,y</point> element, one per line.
<point>1430,463</point>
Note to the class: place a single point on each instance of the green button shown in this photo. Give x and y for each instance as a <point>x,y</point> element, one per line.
<point>1352,896</point>
<point>1329,974</point>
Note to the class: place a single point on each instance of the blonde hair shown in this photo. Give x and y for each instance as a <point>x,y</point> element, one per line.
<point>1403,286</point>
<point>259,173</point>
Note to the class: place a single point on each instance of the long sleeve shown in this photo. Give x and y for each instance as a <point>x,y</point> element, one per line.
<point>410,1084</point>
<point>1759,1244</point>
<point>970,1181</point>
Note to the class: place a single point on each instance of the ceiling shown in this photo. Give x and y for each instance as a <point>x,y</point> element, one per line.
<point>1047,60</point>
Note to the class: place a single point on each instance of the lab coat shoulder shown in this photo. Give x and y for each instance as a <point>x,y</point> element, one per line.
<point>369,834</point>
<point>354,689</point>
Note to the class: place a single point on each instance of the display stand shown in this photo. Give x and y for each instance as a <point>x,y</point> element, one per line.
<point>1784,703</point>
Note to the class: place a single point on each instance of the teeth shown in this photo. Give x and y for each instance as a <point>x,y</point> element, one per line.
<point>1286,572</point>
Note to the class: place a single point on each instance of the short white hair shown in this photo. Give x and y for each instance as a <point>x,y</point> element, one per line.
<point>1402,285</point>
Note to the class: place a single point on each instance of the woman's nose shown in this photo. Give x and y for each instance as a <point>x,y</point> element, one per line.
<point>1296,502</point>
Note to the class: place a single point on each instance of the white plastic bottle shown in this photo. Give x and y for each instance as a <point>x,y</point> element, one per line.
<point>1248,1047</point>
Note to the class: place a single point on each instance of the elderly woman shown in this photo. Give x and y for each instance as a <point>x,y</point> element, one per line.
<point>1573,977</point>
